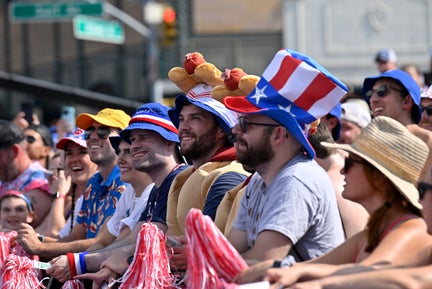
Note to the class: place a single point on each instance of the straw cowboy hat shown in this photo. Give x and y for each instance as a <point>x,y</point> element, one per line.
<point>393,150</point>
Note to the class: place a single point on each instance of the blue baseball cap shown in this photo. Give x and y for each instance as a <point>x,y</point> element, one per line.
<point>200,96</point>
<point>405,80</point>
<point>152,116</point>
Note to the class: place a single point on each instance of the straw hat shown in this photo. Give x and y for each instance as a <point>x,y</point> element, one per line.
<point>393,150</point>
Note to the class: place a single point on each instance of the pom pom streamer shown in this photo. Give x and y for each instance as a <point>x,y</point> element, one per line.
<point>18,273</point>
<point>150,266</point>
<point>212,260</point>
<point>73,284</point>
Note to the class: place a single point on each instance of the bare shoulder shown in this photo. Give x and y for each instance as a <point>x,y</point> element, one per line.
<point>423,134</point>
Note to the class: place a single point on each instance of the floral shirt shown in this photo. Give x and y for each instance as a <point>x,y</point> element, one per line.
<point>31,179</point>
<point>100,200</point>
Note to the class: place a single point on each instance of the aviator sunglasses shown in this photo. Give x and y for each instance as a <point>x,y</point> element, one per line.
<point>103,132</point>
<point>244,123</point>
<point>381,91</point>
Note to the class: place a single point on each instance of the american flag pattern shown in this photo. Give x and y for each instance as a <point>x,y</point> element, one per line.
<point>298,84</point>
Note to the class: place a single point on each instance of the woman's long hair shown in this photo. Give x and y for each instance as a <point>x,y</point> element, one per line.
<point>392,196</point>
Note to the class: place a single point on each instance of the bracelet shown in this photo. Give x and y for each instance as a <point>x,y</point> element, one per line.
<point>72,267</point>
<point>57,195</point>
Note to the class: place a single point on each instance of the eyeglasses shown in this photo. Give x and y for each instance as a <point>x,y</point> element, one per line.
<point>103,132</point>
<point>244,123</point>
<point>349,162</point>
<point>382,91</point>
<point>30,139</point>
<point>428,110</point>
<point>423,188</point>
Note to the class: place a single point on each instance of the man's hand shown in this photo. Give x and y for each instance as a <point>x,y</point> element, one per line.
<point>59,268</point>
<point>178,259</point>
<point>100,278</point>
<point>28,238</point>
<point>254,273</point>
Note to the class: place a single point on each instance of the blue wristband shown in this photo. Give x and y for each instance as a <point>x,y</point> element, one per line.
<point>82,262</point>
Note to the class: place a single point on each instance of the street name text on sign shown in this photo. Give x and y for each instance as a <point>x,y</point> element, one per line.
<point>51,11</point>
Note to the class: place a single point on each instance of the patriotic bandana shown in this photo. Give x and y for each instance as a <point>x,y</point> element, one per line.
<point>154,117</point>
<point>294,90</point>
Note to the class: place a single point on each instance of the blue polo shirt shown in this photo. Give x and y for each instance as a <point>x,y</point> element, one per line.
<point>100,200</point>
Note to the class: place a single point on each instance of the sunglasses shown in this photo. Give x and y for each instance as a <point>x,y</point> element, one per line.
<point>423,188</point>
<point>30,139</point>
<point>381,91</point>
<point>103,132</point>
<point>428,110</point>
<point>244,123</point>
<point>349,162</point>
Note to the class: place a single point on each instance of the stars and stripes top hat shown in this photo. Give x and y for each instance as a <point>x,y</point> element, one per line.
<point>200,95</point>
<point>152,116</point>
<point>294,90</point>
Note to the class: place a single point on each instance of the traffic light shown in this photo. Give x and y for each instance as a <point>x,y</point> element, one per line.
<point>169,23</point>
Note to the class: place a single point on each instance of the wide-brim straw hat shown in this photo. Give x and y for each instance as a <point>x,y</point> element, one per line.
<point>391,148</point>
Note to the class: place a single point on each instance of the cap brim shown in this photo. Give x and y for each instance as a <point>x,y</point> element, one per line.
<point>61,144</point>
<point>166,134</point>
<point>407,189</point>
<point>205,103</point>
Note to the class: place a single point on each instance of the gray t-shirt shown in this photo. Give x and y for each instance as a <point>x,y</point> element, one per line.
<point>299,203</point>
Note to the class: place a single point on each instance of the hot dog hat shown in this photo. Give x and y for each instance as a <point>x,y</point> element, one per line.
<point>294,90</point>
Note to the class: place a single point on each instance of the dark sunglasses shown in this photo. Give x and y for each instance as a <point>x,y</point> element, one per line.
<point>349,162</point>
<point>423,188</point>
<point>30,139</point>
<point>244,123</point>
<point>381,91</point>
<point>103,132</point>
<point>428,110</point>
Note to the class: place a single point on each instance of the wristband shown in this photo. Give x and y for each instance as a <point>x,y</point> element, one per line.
<point>72,267</point>
<point>277,264</point>
<point>57,195</point>
<point>82,262</point>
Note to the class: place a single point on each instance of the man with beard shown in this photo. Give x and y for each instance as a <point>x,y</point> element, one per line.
<point>101,195</point>
<point>289,207</point>
<point>204,126</point>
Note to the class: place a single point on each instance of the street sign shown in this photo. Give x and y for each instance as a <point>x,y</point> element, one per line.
<point>51,11</point>
<point>98,29</point>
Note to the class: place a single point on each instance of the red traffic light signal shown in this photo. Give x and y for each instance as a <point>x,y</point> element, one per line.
<point>169,15</point>
<point>169,26</point>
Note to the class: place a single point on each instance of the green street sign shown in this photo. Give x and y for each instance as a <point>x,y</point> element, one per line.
<point>98,29</point>
<point>52,11</point>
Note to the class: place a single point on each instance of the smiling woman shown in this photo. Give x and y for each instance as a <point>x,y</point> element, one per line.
<point>69,180</point>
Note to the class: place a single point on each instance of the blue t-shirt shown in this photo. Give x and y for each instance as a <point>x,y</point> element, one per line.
<point>156,208</point>
<point>100,200</point>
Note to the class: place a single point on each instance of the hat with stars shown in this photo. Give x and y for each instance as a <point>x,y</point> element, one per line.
<point>294,90</point>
